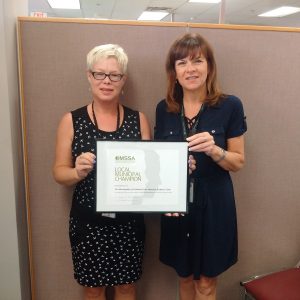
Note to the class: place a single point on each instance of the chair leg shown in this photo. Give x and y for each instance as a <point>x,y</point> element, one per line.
<point>247,296</point>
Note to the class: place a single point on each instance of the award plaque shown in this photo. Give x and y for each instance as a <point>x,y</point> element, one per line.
<point>141,176</point>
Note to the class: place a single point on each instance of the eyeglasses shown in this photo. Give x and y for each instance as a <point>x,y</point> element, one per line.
<point>102,76</point>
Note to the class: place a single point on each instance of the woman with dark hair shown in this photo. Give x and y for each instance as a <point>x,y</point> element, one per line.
<point>201,244</point>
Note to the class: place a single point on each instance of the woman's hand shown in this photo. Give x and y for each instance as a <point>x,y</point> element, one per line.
<point>192,164</point>
<point>84,164</point>
<point>231,159</point>
<point>174,214</point>
<point>201,142</point>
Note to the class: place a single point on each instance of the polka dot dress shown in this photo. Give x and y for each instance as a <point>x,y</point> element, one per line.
<point>105,251</point>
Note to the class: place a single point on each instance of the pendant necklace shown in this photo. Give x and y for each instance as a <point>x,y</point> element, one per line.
<point>95,119</point>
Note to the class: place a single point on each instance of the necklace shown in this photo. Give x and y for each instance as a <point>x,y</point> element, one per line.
<point>95,119</point>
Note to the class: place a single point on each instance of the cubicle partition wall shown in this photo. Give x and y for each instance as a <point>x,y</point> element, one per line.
<point>260,65</point>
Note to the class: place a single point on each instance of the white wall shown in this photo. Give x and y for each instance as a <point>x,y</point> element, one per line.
<point>14,271</point>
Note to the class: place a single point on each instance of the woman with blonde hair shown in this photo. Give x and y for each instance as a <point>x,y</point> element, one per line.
<point>107,249</point>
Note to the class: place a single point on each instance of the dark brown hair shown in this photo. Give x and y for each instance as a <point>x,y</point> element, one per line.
<point>190,45</point>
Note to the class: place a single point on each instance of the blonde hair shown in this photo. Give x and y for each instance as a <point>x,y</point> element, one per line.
<point>107,51</point>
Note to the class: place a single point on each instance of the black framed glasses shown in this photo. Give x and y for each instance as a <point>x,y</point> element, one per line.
<point>102,76</point>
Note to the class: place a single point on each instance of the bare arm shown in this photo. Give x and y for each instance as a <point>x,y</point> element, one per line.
<point>145,127</point>
<point>232,159</point>
<point>64,171</point>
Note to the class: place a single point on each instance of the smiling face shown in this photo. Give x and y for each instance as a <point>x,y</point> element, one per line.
<point>191,67</point>
<point>191,73</point>
<point>105,89</point>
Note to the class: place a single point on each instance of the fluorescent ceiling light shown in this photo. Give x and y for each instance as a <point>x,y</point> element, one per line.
<point>205,1</point>
<point>280,11</point>
<point>152,15</point>
<point>65,4</point>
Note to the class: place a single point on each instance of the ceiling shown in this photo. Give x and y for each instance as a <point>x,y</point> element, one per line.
<point>236,11</point>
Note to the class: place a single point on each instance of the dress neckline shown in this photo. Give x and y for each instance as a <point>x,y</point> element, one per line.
<point>100,130</point>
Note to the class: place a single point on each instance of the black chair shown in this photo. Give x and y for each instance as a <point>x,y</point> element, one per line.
<point>279,285</point>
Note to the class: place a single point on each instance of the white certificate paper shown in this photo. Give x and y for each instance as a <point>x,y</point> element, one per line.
<point>141,176</point>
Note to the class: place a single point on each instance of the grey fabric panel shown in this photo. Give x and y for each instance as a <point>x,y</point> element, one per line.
<point>53,59</point>
<point>261,67</point>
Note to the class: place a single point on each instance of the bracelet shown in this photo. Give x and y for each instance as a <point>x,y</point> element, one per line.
<point>222,156</point>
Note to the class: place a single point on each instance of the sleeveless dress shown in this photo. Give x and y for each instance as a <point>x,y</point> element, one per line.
<point>106,251</point>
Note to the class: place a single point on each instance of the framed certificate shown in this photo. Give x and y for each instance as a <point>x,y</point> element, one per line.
<point>141,176</point>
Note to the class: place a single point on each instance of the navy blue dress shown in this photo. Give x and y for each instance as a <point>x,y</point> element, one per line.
<point>204,241</point>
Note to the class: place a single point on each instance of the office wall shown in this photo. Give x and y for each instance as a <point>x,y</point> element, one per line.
<point>14,274</point>
<point>258,64</point>
<point>262,67</point>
